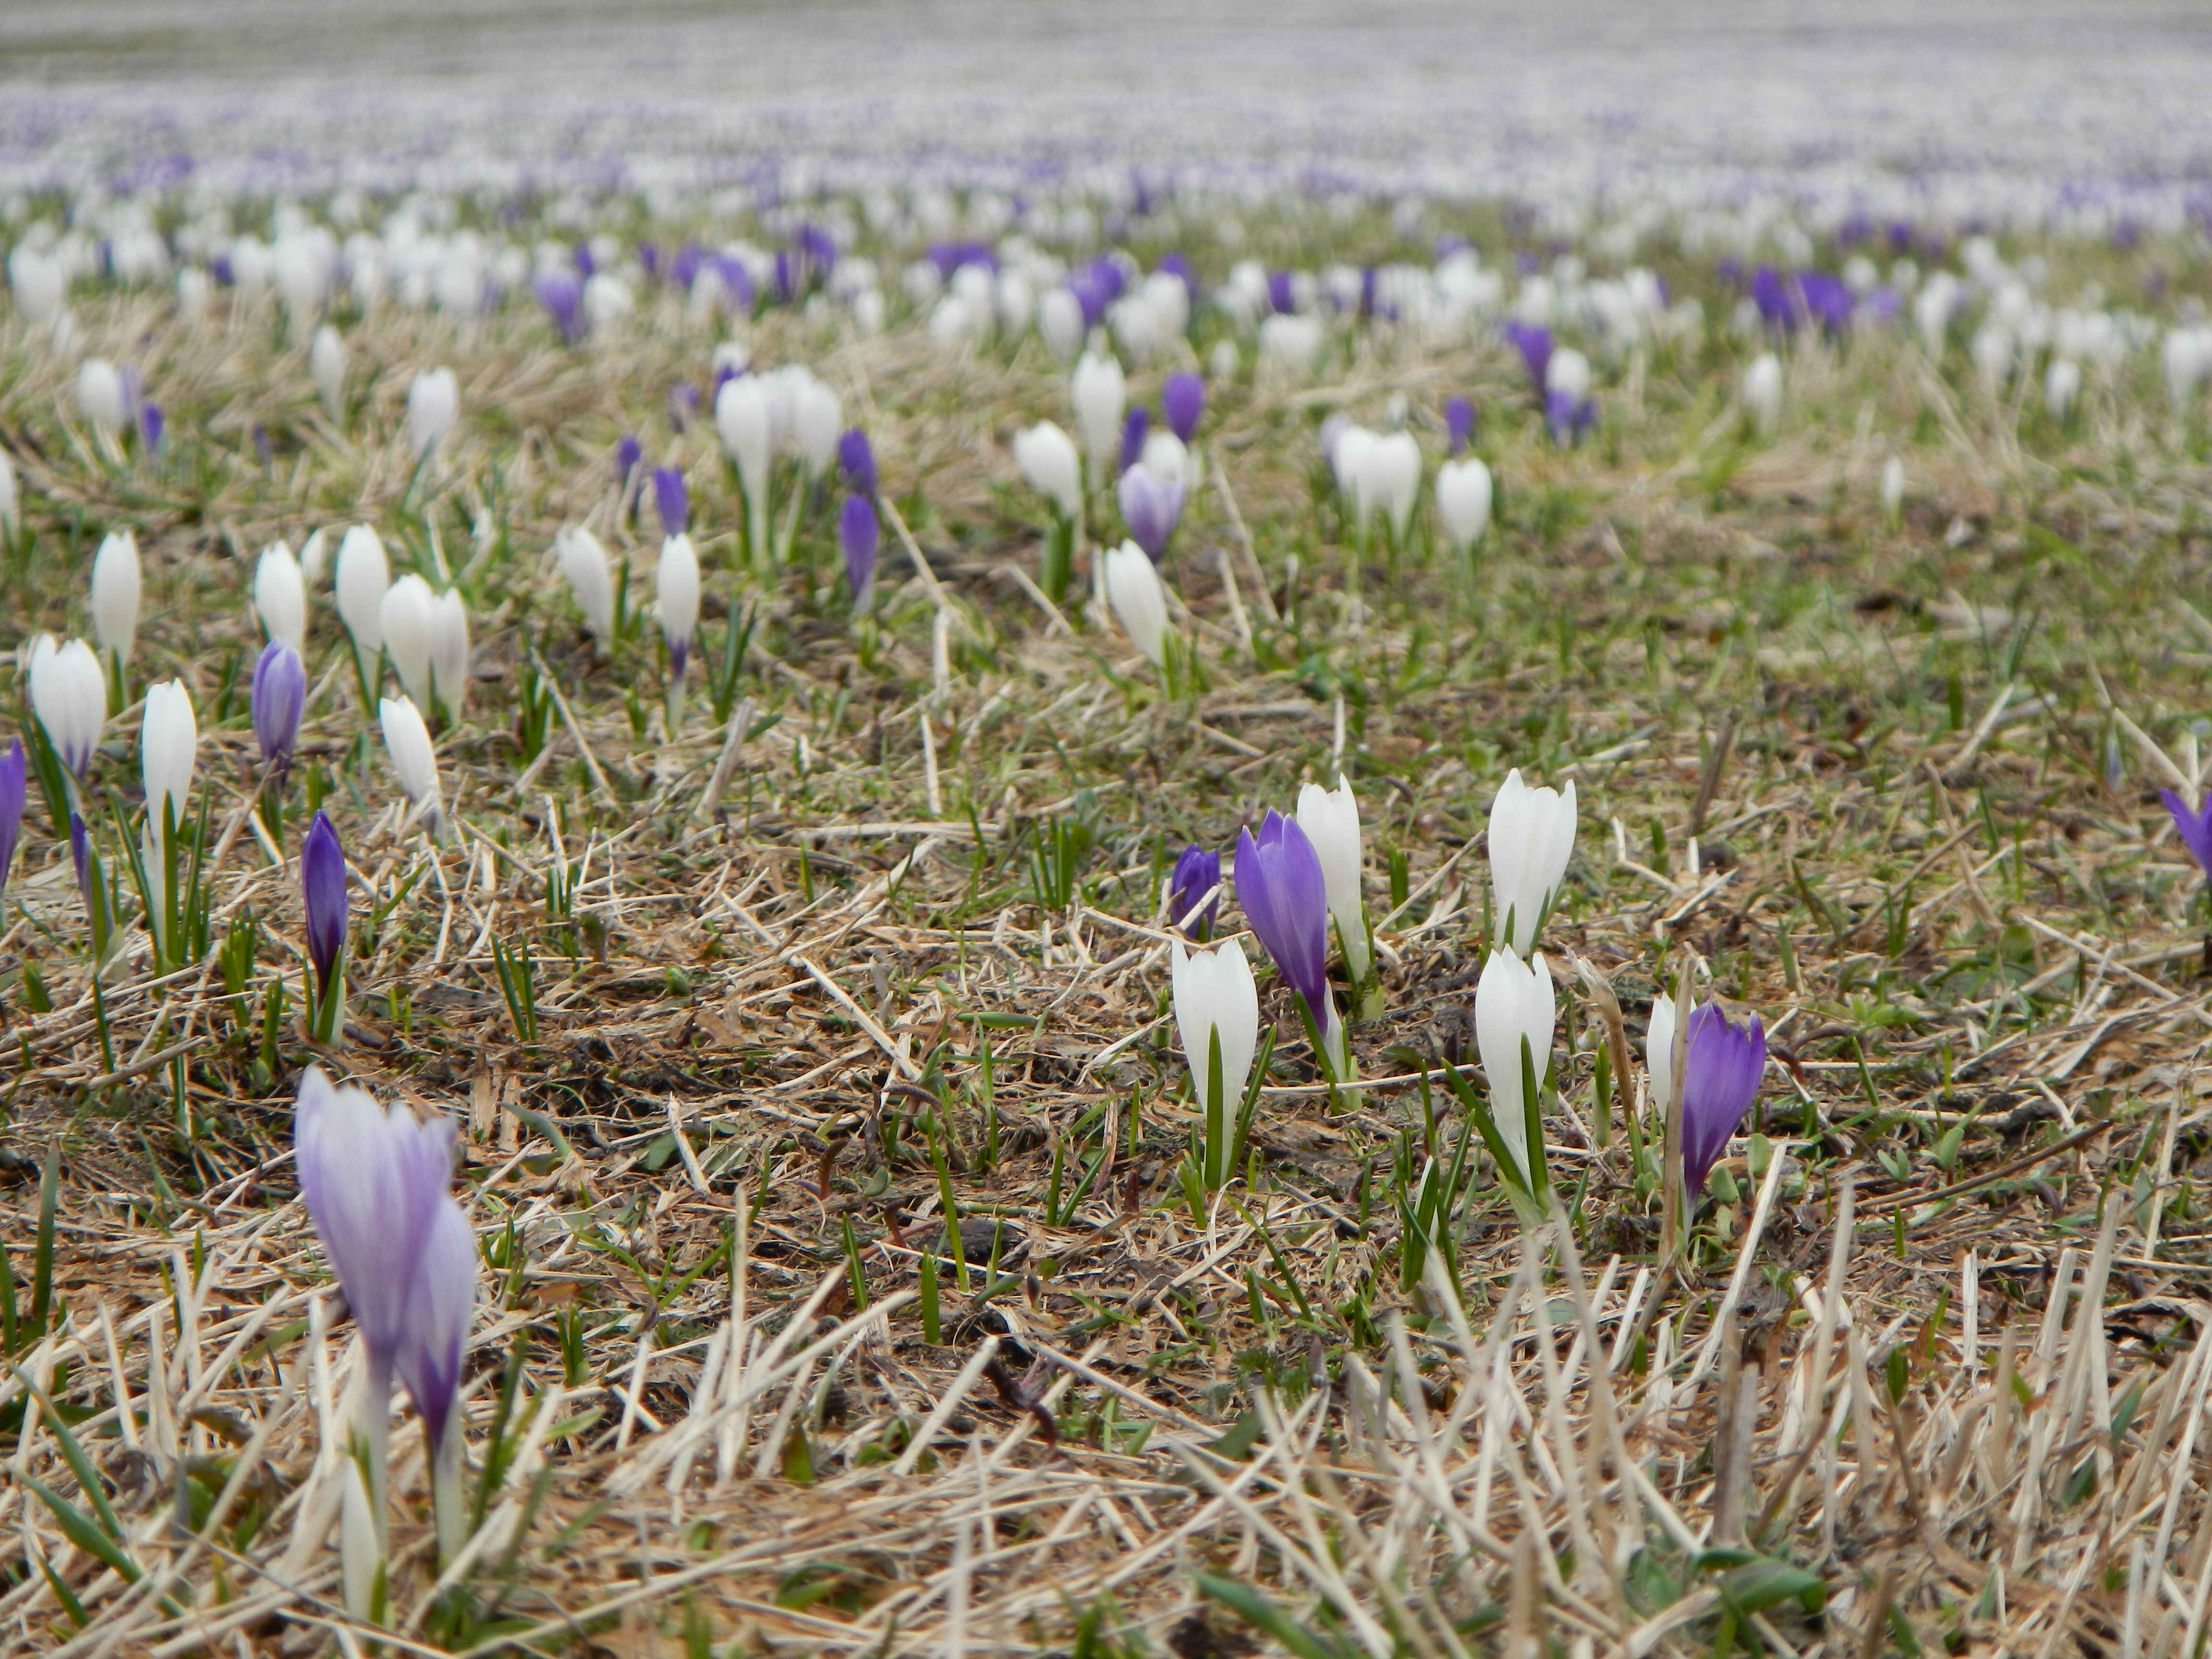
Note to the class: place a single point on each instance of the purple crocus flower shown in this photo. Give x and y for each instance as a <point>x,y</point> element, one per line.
<point>2195,828</point>
<point>673,500</point>
<point>13,786</point>
<point>1568,417</point>
<point>684,268</point>
<point>150,426</point>
<point>684,401</point>
<point>322,888</point>
<point>1827,299</point>
<point>376,1186</point>
<point>563,296</point>
<point>858,535</point>
<point>280,697</point>
<point>1721,1071</point>
<point>627,454</point>
<point>1281,298</point>
<point>1534,345</point>
<point>1459,423</point>
<point>1197,873</point>
<point>1133,431</point>
<point>1182,402</point>
<point>1150,507</point>
<point>858,458</point>
<point>1278,882</point>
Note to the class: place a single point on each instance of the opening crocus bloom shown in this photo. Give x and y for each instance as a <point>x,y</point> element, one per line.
<point>1150,507</point>
<point>68,694</point>
<point>1721,1073</point>
<point>280,697</point>
<point>2195,828</point>
<point>1532,836</point>
<point>1197,876</point>
<point>1285,898</point>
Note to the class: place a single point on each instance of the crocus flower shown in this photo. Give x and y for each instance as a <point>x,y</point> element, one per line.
<point>68,694</point>
<point>1569,409</point>
<point>116,585</point>
<point>2195,828</point>
<point>817,421</point>
<point>858,537</point>
<point>11,512</point>
<point>433,405</point>
<point>101,395</point>
<point>1216,1000</point>
<point>1183,403</point>
<point>1532,836</point>
<point>1139,602</point>
<point>1459,423</point>
<point>14,777</point>
<point>377,1186</point>
<point>326,364</point>
<point>1534,345</point>
<point>1134,426</point>
<point>673,500</point>
<point>627,454</point>
<point>405,619</point>
<point>1720,1072</point>
<point>1463,494</point>
<point>1330,819</point>
<point>1514,1004</point>
<point>449,650</point>
<point>364,576</point>
<point>323,888</point>
<point>1892,489</point>
<point>407,741</point>
<point>280,596</point>
<point>676,585</point>
<point>1659,1054</point>
<point>583,560</point>
<point>1285,898</point>
<point>1100,394</point>
<point>280,697</point>
<point>151,424</point>
<point>743,418</point>
<point>1762,392</point>
<point>1197,877</point>
<point>1047,458</point>
<point>562,294</point>
<point>858,458</point>
<point>169,745</point>
<point>1150,507</point>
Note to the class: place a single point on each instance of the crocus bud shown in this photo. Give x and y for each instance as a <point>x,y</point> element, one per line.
<point>1569,409</point>
<point>1532,836</point>
<point>1100,395</point>
<point>1459,427</point>
<point>1216,1001</point>
<point>627,454</point>
<point>102,396</point>
<point>859,537</point>
<point>1285,898</point>
<point>743,418</point>
<point>168,744</point>
<point>280,597</point>
<point>1196,881</point>
<point>312,556</point>
<point>1393,481</point>
<point>583,561</point>
<point>151,425</point>
<point>1134,426</point>
<point>1048,460</point>
<point>1150,507</point>
<point>433,405</point>
<point>364,578</point>
<point>1140,603</point>
<point>858,459</point>
<point>817,422</point>
<point>15,778</point>
<point>1762,392</point>
<point>280,697</point>
<point>672,498</point>
<point>1183,403</point>
<point>1060,322</point>
<point>323,888</point>
<point>449,650</point>
<point>562,294</point>
<point>407,741</point>
<point>1514,1006</point>
<point>2062,384</point>
<point>326,363</point>
<point>1721,1071</point>
<point>11,512</point>
<point>405,619</point>
<point>115,587</point>
<point>1659,1054</point>
<point>1330,819</point>
<point>68,694</point>
<point>1463,501</point>
<point>677,586</point>
<point>1893,488</point>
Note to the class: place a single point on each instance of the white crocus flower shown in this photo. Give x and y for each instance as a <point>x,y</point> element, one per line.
<point>99,394</point>
<point>1140,603</point>
<point>1047,460</point>
<point>1330,819</point>
<point>1893,488</point>
<point>449,651</point>
<point>407,740</point>
<point>326,363</point>
<point>433,406</point>
<point>745,418</point>
<point>407,619</point>
<point>364,576</point>
<point>1659,1055</point>
<point>1101,396</point>
<point>1463,494</point>
<point>1532,836</point>
<point>116,582</point>
<point>280,596</point>
<point>69,694</point>
<point>168,744</point>
<point>817,423</point>
<point>1214,995</point>
<point>1514,1004</point>
<point>583,560</point>
<point>1762,392</point>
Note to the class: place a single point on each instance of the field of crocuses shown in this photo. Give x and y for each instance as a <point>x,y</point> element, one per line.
<point>939,921</point>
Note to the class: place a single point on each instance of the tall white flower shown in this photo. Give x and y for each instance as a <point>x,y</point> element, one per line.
<point>1101,395</point>
<point>1047,460</point>
<point>1514,1004</point>
<point>326,363</point>
<point>11,516</point>
<point>1140,603</point>
<point>116,583</point>
<point>676,587</point>
<point>101,395</point>
<point>1659,1054</point>
<point>1393,483</point>
<point>69,694</point>
<point>407,741</point>
<point>364,576</point>
<point>745,418</point>
<point>1330,819</point>
<point>449,650</point>
<point>1214,995</point>
<point>169,743</point>
<point>1762,392</point>
<point>1893,488</point>
<point>405,619</point>
<point>817,422</point>
<point>433,405</point>
<point>1532,836</point>
<point>2062,384</point>
<point>583,560</point>
<point>1463,501</point>
<point>280,596</point>
<point>1060,321</point>
<point>312,557</point>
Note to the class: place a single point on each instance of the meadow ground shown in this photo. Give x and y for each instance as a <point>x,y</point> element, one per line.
<point>723,1052</point>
